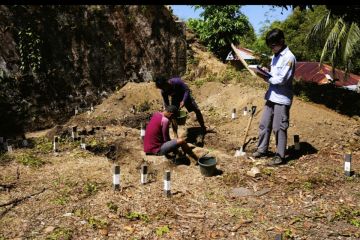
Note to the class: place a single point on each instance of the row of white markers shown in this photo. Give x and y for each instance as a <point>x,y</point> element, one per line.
<point>233,113</point>
<point>143,178</point>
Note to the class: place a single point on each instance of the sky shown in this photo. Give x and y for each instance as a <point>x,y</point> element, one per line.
<point>257,14</point>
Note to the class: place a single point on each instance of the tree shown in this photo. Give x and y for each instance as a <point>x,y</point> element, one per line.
<point>341,40</point>
<point>221,26</point>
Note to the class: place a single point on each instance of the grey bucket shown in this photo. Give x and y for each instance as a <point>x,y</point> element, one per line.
<point>207,166</point>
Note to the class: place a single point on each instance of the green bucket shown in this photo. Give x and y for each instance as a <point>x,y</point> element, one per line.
<point>207,166</point>
<point>181,118</point>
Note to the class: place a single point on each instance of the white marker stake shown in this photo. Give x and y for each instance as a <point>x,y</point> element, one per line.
<point>144,170</point>
<point>92,108</point>
<point>297,142</point>
<point>245,111</point>
<point>82,143</point>
<point>233,114</point>
<point>142,132</point>
<point>9,149</point>
<point>56,143</point>
<point>74,133</point>
<point>167,186</point>
<point>116,177</point>
<point>76,111</point>
<point>347,165</point>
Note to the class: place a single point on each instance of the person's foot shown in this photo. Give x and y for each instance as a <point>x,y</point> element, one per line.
<point>277,160</point>
<point>258,154</point>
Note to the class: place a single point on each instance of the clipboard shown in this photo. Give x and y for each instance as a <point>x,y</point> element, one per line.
<point>260,71</point>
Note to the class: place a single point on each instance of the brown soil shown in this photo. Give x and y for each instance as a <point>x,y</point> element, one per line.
<point>307,198</point>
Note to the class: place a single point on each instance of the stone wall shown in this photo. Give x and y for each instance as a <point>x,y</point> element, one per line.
<point>53,58</point>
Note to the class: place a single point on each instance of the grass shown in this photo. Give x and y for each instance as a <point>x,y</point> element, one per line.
<point>244,213</point>
<point>112,206</point>
<point>60,234</point>
<point>160,231</point>
<point>30,160</point>
<point>133,216</point>
<point>5,158</point>
<point>90,188</point>
<point>43,145</point>
<point>96,223</point>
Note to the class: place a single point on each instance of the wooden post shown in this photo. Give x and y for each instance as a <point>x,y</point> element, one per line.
<point>297,142</point>
<point>233,114</point>
<point>237,52</point>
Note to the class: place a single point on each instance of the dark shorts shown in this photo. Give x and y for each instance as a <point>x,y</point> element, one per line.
<point>168,146</point>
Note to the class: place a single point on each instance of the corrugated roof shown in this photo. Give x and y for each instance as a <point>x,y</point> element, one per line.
<point>312,72</point>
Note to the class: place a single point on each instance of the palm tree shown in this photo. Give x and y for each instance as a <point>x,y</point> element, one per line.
<point>340,39</point>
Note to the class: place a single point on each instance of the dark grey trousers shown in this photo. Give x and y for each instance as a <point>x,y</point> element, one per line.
<point>274,118</point>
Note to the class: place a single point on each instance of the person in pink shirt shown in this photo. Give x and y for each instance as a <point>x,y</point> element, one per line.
<point>157,140</point>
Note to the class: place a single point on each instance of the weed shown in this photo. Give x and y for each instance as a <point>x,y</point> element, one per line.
<point>199,82</point>
<point>112,206</point>
<point>133,216</point>
<point>80,212</point>
<point>355,222</point>
<point>30,160</point>
<point>267,171</point>
<point>308,185</point>
<point>245,213</point>
<point>5,159</point>
<point>97,223</point>
<point>288,234</point>
<point>162,230</point>
<point>233,179</point>
<point>90,188</point>
<point>60,234</point>
<point>193,61</point>
<point>43,145</point>
<point>61,200</point>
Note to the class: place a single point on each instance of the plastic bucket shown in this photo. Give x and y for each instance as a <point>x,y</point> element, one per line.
<point>207,166</point>
<point>181,119</point>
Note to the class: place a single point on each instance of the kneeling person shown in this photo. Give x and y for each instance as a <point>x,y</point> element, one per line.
<point>157,139</point>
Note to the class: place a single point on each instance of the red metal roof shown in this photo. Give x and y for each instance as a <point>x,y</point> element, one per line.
<point>311,72</point>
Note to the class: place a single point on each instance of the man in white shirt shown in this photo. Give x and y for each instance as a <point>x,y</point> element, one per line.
<point>278,98</point>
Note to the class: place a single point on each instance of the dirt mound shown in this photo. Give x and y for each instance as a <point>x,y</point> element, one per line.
<point>307,198</point>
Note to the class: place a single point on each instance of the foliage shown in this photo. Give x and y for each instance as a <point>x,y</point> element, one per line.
<point>133,216</point>
<point>112,206</point>
<point>340,39</point>
<point>29,49</point>
<point>43,145</point>
<point>162,230</point>
<point>97,223</point>
<point>221,26</point>
<point>90,188</point>
<point>60,234</point>
<point>5,158</point>
<point>30,160</point>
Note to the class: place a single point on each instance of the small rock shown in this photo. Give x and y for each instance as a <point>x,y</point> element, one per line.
<point>103,231</point>
<point>49,229</point>
<point>67,214</point>
<point>254,172</point>
<point>241,192</point>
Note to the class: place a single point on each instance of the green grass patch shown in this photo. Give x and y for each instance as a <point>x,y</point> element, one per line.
<point>96,223</point>
<point>30,160</point>
<point>60,234</point>
<point>160,231</point>
<point>133,216</point>
<point>43,145</point>
<point>112,206</point>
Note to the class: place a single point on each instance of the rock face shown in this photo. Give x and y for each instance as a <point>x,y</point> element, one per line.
<point>56,58</point>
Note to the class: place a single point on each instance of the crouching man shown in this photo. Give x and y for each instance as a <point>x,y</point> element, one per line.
<point>157,139</point>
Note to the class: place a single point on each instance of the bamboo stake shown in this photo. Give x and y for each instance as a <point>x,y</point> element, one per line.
<point>237,52</point>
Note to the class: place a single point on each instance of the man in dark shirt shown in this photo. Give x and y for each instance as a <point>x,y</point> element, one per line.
<point>180,96</point>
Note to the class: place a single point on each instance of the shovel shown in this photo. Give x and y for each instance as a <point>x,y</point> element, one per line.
<point>240,152</point>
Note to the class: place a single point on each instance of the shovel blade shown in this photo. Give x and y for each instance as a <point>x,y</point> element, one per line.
<point>240,152</point>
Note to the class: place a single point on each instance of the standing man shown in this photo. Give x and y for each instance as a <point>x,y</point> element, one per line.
<point>157,139</point>
<point>278,98</point>
<point>180,96</point>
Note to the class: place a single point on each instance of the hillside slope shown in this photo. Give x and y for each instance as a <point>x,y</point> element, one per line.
<point>308,198</point>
